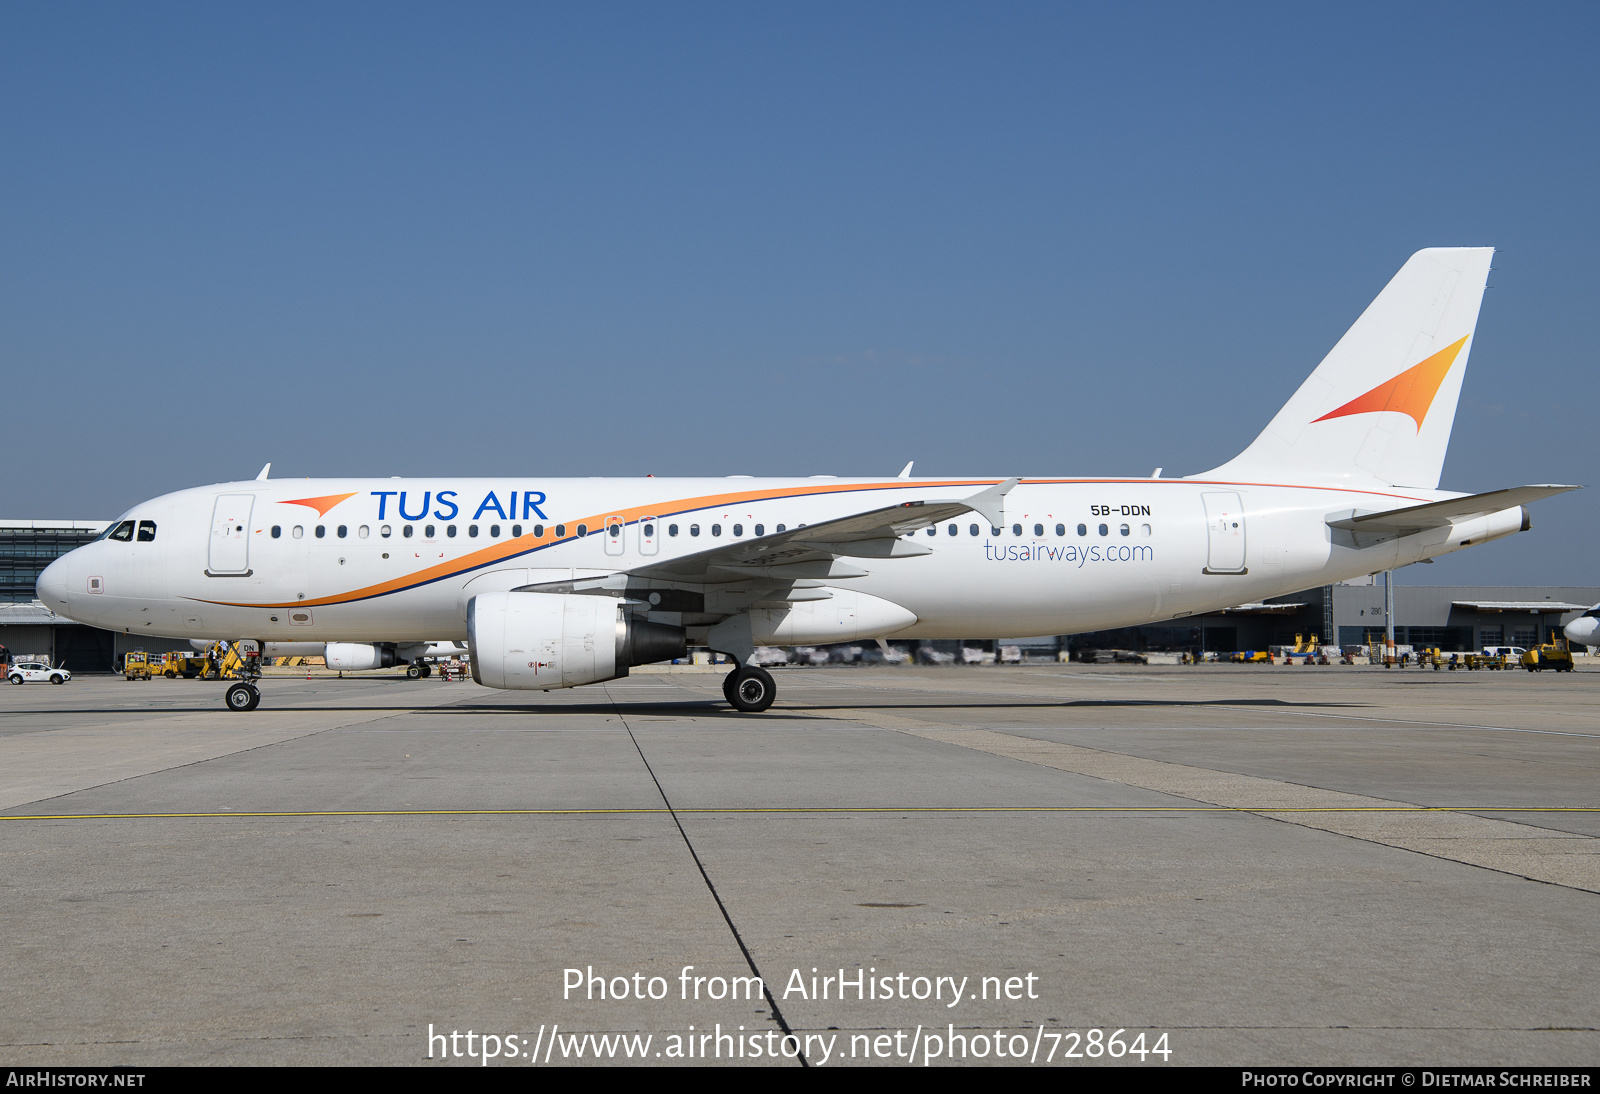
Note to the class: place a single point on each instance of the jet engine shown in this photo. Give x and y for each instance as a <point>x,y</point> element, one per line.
<point>542,641</point>
<point>353,656</point>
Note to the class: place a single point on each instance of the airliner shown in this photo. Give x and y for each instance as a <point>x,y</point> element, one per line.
<point>556,583</point>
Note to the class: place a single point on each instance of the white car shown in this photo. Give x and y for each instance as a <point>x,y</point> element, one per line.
<point>27,672</point>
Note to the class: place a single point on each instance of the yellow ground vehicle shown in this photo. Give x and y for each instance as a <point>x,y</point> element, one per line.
<point>187,665</point>
<point>223,666</point>
<point>139,665</point>
<point>1552,655</point>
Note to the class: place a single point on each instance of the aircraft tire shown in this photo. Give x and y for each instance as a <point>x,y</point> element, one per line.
<point>751,689</point>
<point>427,670</point>
<point>727,686</point>
<point>242,696</point>
<point>414,671</point>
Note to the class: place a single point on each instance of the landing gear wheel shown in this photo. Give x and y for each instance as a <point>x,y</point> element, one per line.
<point>242,696</point>
<point>414,670</point>
<point>750,689</point>
<point>427,670</point>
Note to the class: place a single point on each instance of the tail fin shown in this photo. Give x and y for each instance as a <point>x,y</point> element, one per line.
<point>1380,406</point>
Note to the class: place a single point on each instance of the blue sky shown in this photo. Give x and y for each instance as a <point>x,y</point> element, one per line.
<point>756,239</point>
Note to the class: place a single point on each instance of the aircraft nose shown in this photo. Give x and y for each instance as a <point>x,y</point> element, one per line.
<point>1582,630</point>
<point>54,583</point>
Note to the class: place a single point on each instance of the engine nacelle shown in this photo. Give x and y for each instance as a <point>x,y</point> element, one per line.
<point>355,656</point>
<point>544,641</point>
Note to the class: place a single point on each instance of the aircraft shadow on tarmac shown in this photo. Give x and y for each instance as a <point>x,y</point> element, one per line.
<point>697,706</point>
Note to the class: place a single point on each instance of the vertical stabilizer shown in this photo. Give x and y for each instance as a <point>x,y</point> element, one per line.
<point>1380,406</point>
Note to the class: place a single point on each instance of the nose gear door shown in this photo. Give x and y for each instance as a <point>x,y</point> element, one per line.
<point>230,535</point>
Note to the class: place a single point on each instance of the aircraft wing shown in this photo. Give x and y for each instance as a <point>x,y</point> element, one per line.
<point>1437,514</point>
<point>876,533</point>
<point>803,554</point>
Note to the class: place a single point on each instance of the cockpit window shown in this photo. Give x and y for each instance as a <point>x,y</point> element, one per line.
<point>147,531</point>
<point>122,533</point>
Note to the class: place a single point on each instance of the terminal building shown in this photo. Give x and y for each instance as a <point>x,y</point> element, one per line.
<point>1455,619</point>
<point>1451,618</point>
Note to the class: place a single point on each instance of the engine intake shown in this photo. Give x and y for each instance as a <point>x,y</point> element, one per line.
<point>544,641</point>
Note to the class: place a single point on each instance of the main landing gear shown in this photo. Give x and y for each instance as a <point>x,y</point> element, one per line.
<point>750,689</point>
<point>419,670</point>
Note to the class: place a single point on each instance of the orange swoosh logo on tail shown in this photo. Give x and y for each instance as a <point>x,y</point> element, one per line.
<point>322,504</point>
<point>1411,392</point>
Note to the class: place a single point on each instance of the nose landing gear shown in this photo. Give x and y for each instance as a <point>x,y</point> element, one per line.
<point>750,689</point>
<point>242,696</point>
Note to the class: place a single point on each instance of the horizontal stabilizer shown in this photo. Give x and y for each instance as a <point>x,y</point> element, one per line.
<point>1437,514</point>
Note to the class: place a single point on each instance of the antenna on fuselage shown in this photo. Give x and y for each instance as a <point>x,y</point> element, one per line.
<point>263,476</point>
<point>905,472</point>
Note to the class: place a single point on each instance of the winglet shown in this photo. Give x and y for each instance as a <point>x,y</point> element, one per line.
<point>905,472</point>
<point>991,502</point>
<point>263,476</point>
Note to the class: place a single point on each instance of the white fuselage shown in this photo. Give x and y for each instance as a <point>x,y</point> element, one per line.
<point>397,560</point>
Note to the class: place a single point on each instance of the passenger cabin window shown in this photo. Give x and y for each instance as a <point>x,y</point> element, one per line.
<point>122,533</point>
<point>343,530</point>
<point>1016,529</point>
<point>321,531</point>
<point>298,531</point>
<point>582,530</point>
<point>1124,529</point>
<point>972,529</point>
<point>494,531</point>
<point>277,531</point>
<point>147,531</point>
<point>1038,529</point>
<point>738,529</point>
<point>1083,529</point>
<point>472,531</point>
<point>1104,531</point>
<point>561,531</point>
<point>428,531</point>
<point>363,532</point>
<point>672,529</point>
<point>694,529</point>
<point>1144,529</point>
<point>386,531</point>
<point>406,531</point>
<point>450,530</point>
<point>538,531</point>
<point>953,530</point>
<point>516,530</point>
<point>781,527</point>
<point>716,529</point>
<point>761,530</point>
<point>1061,529</point>
<point>933,529</point>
